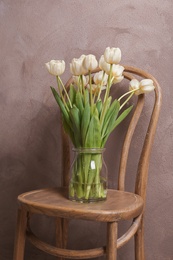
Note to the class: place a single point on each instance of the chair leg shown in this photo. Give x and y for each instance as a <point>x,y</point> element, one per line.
<point>139,242</point>
<point>111,249</point>
<point>19,245</point>
<point>61,233</point>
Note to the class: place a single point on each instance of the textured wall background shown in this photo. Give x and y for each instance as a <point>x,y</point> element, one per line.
<point>32,33</point>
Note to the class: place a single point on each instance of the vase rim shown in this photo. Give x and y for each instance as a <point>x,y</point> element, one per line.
<point>88,150</point>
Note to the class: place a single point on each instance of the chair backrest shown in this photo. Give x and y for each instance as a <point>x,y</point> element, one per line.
<point>143,165</point>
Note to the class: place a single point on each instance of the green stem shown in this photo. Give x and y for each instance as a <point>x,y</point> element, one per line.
<point>101,86</point>
<point>83,88</point>
<point>106,97</point>
<point>65,91</point>
<point>100,90</point>
<point>60,91</point>
<point>108,85</point>
<point>126,101</point>
<point>59,88</point>
<point>131,91</point>
<point>91,98</point>
<point>79,84</point>
<point>94,97</point>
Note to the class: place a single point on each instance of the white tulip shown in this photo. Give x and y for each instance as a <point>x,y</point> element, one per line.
<point>55,67</point>
<point>146,86</point>
<point>90,63</point>
<point>117,70</point>
<point>103,65</point>
<point>134,85</point>
<point>142,87</point>
<point>112,55</point>
<point>118,79</point>
<point>76,66</point>
<point>99,79</point>
<point>85,80</point>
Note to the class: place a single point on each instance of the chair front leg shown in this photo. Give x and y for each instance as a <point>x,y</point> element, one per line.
<point>61,233</point>
<point>139,242</point>
<point>20,238</point>
<point>111,249</point>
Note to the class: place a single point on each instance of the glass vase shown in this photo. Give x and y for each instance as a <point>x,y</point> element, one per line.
<point>88,176</point>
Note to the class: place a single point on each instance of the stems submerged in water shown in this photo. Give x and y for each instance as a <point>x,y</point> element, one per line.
<point>89,177</point>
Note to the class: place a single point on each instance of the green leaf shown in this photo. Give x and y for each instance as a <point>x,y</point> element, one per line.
<point>99,106</point>
<point>62,106</point>
<point>79,102</point>
<point>86,96</point>
<point>85,122</point>
<point>72,94</point>
<point>93,137</point>
<point>106,106</point>
<point>110,117</point>
<point>122,117</point>
<point>68,130</point>
<point>116,123</point>
<point>75,119</point>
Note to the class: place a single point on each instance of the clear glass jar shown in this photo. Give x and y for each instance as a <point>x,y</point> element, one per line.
<point>88,176</point>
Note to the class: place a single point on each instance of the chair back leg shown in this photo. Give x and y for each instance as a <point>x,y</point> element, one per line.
<point>20,238</point>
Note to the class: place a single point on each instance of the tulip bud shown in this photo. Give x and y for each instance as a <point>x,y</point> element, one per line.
<point>90,63</point>
<point>99,79</point>
<point>146,86</point>
<point>55,67</point>
<point>103,65</point>
<point>117,70</point>
<point>85,80</point>
<point>118,79</point>
<point>76,66</point>
<point>112,55</point>
<point>134,85</point>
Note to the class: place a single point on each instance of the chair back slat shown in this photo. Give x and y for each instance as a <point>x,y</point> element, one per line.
<point>127,142</point>
<point>143,165</point>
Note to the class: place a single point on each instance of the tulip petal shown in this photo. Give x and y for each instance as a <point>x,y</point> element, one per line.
<point>56,67</point>
<point>145,82</point>
<point>89,62</point>
<point>112,55</point>
<point>147,89</point>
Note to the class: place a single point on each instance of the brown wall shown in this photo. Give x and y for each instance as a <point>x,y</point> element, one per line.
<point>32,33</point>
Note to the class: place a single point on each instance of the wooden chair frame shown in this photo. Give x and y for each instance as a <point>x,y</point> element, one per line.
<point>26,209</point>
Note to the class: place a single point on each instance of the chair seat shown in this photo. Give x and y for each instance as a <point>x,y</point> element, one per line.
<point>119,205</point>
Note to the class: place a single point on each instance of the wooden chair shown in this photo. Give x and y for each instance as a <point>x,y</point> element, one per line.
<point>120,205</point>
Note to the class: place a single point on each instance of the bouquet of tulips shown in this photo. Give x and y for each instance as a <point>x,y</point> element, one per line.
<point>88,110</point>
